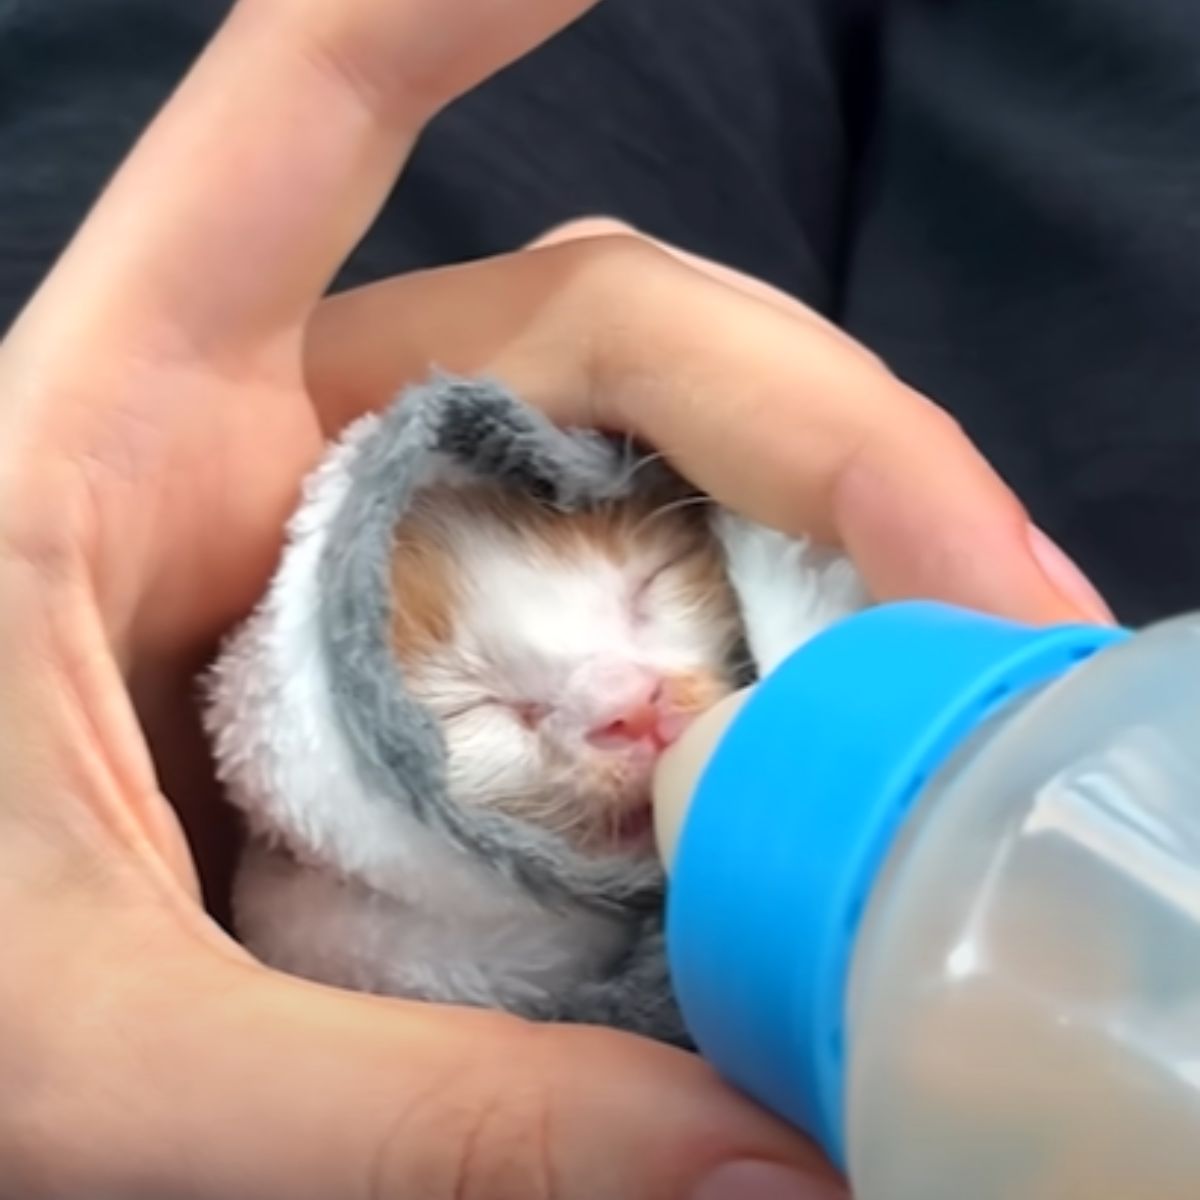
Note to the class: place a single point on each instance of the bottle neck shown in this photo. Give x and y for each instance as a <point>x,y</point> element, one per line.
<point>679,772</point>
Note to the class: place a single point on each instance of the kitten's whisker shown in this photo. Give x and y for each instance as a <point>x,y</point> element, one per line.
<point>646,460</point>
<point>672,506</point>
<point>631,469</point>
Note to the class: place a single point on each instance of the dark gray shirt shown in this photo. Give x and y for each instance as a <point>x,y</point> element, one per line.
<point>1002,199</point>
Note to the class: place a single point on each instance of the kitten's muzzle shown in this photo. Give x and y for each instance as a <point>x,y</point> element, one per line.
<point>648,722</point>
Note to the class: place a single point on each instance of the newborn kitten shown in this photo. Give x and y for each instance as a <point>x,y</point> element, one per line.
<point>562,653</point>
<point>441,722</point>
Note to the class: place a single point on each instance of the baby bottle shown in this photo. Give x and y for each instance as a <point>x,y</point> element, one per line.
<point>934,897</point>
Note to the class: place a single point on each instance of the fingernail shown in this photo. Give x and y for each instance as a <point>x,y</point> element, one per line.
<point>765,1181</point>
<point>1068,578</point>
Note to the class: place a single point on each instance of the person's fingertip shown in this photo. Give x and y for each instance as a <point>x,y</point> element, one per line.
<point>765,1181</point>
<point>1067,578</point>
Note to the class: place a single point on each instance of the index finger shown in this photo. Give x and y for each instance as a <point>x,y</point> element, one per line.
<point>775,416</point>
<point>270,161</point>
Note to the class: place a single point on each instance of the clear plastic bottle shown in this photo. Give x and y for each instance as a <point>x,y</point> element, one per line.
<point>935,898</point>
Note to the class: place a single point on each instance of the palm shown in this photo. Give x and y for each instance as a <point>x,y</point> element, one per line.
<point>226,487</point>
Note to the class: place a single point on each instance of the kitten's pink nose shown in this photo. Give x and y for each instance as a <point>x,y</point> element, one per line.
<point>640,721</point>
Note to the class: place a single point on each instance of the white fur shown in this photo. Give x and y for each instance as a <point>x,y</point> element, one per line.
<point>790,589</point>
<point>314,923</point>
<point>577,636</point>
<point>345,886</point>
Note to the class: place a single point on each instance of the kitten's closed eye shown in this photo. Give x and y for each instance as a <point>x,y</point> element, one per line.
<point>528,713</point>
<point>465,710</point>
<point>644,587</point>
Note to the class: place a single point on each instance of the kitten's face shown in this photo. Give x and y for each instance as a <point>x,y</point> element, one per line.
<point>561,653</point>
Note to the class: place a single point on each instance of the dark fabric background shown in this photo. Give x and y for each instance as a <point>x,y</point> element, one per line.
<point>1002,199</point>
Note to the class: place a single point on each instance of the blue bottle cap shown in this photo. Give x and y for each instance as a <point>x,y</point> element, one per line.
<point>792,820</point>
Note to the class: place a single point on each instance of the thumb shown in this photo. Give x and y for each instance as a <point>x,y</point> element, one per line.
<point>276,1089</point>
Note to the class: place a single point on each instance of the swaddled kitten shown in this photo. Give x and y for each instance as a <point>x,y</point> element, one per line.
<point>559,653</point>
<point>441,722</point>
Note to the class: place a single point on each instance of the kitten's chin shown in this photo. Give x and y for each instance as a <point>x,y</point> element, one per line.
<point>633,830</point>
<point>627,831</point>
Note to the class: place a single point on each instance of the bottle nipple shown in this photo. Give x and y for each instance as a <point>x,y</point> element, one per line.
<point>680,768</point>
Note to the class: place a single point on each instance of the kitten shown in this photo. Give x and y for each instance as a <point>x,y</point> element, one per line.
<point>559,653</point>
<point>441,721</point>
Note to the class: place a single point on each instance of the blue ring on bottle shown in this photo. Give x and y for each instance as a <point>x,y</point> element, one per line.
<point>793,818</point>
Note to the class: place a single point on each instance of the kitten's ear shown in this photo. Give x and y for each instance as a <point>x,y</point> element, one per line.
<point>788,589</point>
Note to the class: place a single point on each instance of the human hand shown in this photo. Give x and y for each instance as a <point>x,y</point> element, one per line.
<point>757,398</point>
<point>153,430</point>
<point>156,420</point>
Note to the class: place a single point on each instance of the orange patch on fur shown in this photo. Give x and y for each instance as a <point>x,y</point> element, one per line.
<point>423,597</point>
<point>695,691</point>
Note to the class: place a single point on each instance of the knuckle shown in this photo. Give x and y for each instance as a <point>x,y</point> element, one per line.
<point>615,255</point>
<point>581,228</point>
<point>913,419</point>
<point>948,425</point>
<point>946,431</point>
<point>617,290</point>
